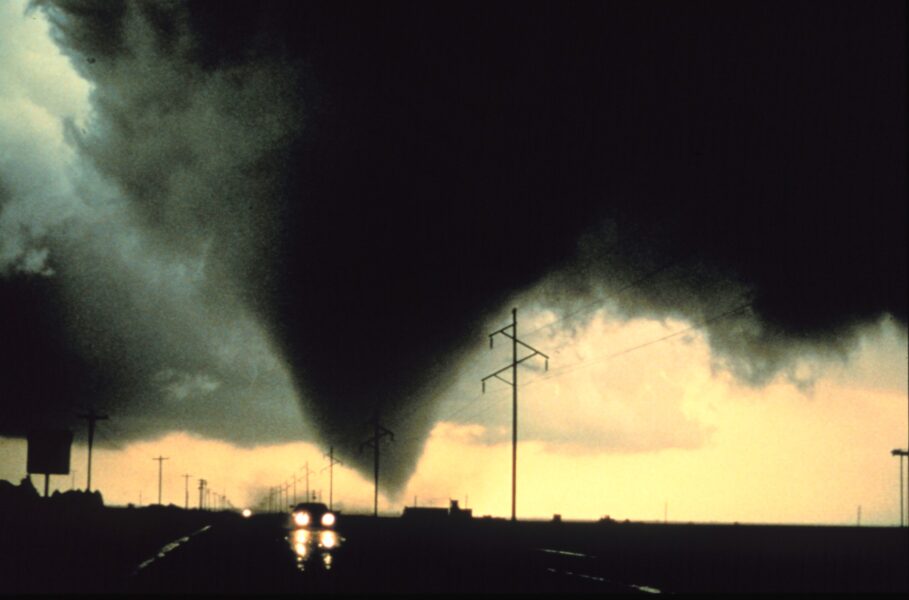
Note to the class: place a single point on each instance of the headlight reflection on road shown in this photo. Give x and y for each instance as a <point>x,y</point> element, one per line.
<point>301,536</point>
<point>328,539</point>
<point>309,544</point>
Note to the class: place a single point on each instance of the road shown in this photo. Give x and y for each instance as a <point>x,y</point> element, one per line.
<point>363,555</point>
<point>51,547</point>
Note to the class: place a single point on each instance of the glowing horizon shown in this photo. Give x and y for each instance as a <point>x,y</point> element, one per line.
<point>733,475</point>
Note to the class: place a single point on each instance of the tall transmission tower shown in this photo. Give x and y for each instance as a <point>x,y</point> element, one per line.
<point>202,484</point>
<point>515,361</point>
<point>378,433</point>
<point>332,461</point>
<point>160,460</point>
<point>91,416</point>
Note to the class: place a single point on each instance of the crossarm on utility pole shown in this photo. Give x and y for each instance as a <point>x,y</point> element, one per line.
<point>528,346</point>
<point>495,333</point>
<point>511,366</point>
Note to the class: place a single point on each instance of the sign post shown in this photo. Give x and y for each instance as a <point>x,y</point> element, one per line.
<point>48,453</point>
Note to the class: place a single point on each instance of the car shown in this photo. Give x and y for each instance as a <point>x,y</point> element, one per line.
<point>312,516</point>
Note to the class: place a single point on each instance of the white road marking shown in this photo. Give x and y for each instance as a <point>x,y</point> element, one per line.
<point>169,547</point>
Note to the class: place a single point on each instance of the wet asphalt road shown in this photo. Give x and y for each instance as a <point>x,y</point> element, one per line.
<point>362,555</point>
<point>52,547</point>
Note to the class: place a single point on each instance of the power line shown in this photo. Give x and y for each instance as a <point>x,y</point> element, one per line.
<point>585,308</point>
<point>108,440</point>
<point>556,373</point>
<point>593,305</point>
<point>599,303</point>
<point>576,366</point>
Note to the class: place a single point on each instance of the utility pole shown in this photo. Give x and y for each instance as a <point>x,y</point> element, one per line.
<point>160,460</point>
<point>295,479</point>
<point>91,416</point>
<point>900,454</point>
<point>308,471</point>
<point>514,393</point>
<point>186,477</point>
<point>202,483</point>
<point>287,487</point>
<point>332,461</point>
<point>378,433</point>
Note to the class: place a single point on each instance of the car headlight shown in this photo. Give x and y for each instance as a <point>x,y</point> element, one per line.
<point>301,519</point>
<point>328,519</point>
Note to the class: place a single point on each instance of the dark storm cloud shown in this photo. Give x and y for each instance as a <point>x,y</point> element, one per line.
<point>404,169</point>
<point>463,153</point>
<point>165,224</point>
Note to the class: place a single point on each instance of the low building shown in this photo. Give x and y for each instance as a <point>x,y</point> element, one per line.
<point>428,514</point>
